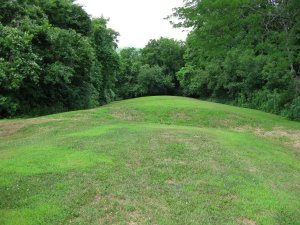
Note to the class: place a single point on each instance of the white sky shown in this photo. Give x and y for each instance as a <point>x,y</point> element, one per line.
<point>137,21</point>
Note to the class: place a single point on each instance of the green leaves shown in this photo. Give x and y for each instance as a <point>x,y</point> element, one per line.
<point>104,41</point>
<point>58,73</point>
<point>53,58</point>
<point>164,52</point>
<point>17,60</point>
<point>153,81</point>
<point>243,52</point>
<point>151,70</point>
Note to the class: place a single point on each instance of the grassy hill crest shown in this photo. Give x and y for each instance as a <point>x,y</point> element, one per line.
<point>151,160</point>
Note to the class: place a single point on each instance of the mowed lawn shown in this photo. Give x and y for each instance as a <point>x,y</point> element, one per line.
<point>151,160</point>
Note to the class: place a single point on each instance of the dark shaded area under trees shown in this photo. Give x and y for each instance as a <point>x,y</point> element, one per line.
<point>54,57</point>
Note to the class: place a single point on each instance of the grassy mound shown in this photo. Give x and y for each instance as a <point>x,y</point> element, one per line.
<point>153,160</point>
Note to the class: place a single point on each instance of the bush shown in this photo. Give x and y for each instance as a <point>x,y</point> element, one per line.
<point>8,107</point>
<point>293,111</point>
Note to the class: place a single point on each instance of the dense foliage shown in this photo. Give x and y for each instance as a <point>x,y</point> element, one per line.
<point>54,57</point>
<point>245,52</point>
<point>151,70</point>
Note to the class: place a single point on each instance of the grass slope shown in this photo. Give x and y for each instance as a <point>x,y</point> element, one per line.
<point>153,160</point>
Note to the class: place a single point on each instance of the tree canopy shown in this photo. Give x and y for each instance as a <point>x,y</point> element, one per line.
<point>54,57</point>
<point>243,52</point>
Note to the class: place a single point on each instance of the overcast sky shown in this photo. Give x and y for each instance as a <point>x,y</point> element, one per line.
<point>137,21</point>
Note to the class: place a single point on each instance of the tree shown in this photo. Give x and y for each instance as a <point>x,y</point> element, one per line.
<point>67,15</point>
<point>127,79</point>
<point>243,52</point>
<point>105,43</point>
<point>18,64</point>
<point>153,81</point>
<point>54,58</point>
<point>167,54</point>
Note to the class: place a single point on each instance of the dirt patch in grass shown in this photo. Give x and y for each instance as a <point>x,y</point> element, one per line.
<point>127,115</point>
<point>229,120</point>
<point>171,182</point>
<point>224,123</point>
<point>291,137</point>
<point>181,116</point>
<point>297,144</point>
<point>231,197</point>
<point>175,136</point>
<point>246,221</point>
<point>243,129</point>
<point>113,206</point>
<point>10,128</point>
<point>134,218</point>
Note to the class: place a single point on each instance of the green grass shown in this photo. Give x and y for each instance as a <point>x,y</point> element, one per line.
<point>152,160</point>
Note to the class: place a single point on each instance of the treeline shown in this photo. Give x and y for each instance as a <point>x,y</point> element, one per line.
<point>54,57</point>
<point>244,52</point>
<point>151,70</point>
